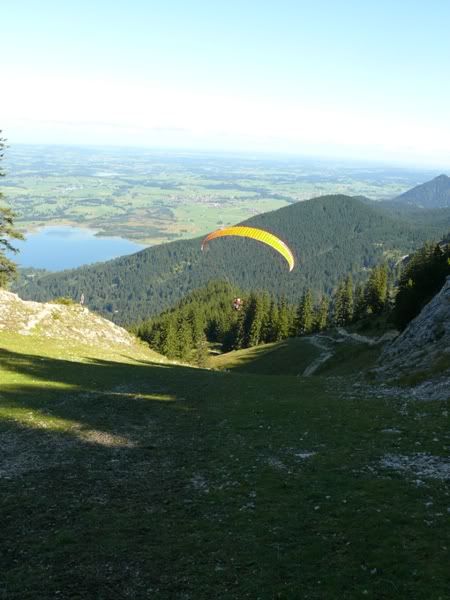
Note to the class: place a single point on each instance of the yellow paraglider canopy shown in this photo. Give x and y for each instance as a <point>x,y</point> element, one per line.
<point>256,234</point>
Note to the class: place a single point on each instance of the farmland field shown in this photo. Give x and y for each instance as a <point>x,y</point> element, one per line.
<point>154,197</point>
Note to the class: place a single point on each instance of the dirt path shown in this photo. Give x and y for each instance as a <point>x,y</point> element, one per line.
<point>44,312</point>
<point>323,343</point>
<point>326,353</point>
<point>357,337</point>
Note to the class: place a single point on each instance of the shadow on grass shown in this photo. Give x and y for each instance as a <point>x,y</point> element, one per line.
<point>153,481</point>
<point>88,464</point>
<point>94,465</point>
<point>54,394</point>
<point>104,475</point>
<point>92,371</point>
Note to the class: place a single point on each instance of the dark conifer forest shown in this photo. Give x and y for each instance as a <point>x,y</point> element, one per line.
<point>422,277</point>
<point>332,237</point>
<point>208,318</point>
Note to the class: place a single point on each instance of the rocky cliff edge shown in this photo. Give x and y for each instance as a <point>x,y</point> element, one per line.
<point>54,320</point>
<point>425,344</point>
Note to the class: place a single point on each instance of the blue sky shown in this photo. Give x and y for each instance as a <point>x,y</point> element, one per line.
<point>362,79</point>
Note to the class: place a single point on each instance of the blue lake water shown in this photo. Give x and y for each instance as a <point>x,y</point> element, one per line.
<point>63,247</point>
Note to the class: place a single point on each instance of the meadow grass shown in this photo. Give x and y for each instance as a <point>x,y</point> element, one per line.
<point>125,477</point>
<point>350,358</point>
<point>289,357</point>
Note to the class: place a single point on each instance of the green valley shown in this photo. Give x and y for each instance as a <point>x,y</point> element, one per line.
<point>156,196</point>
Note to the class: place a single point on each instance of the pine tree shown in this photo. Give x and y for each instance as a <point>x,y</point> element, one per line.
<point>273,322</point>
<point>169,338</point>
<point>266,327</point>
<point>304,322</point>
<point>322,312</point>
<point>376,289</point>
<point>7,232</point>
<point>248,314</point>
<point>265,310</point>
<point>343,302</point>
<point>256,317</point>
<point>202,352</point>
<point>360,309</point>
<point>285,321</point>
<point>348,299</point>
<point>236,339</point>
<point>219,326</point>
<point>197,323</point>
<point>184,338</point>
<point>339,305</point>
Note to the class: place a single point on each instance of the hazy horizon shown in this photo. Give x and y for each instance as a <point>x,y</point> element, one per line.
<point>348,82</point>
<point>251,155</point>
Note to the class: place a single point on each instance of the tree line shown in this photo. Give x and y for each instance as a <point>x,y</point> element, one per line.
<point>423,275</point>
<point>207,316</point>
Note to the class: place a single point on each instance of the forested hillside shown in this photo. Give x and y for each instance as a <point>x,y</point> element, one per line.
<point>435,220</point>
<point>330,236</point>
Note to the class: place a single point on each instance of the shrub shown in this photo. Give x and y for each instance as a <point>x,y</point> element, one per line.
<point>64,300</point>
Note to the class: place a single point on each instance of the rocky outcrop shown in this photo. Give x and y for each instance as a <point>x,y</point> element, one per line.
<point>68,322</point>
<point>425,344</point>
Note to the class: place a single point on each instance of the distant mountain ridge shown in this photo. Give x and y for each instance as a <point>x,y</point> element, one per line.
<point>330,237</point>
<point>431,194</point>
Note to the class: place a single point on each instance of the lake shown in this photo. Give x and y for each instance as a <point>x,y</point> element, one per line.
<point>63,247</point>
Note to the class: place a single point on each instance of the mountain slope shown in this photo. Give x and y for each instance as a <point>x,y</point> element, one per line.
<point>114,469</point>
<point>330,236</point>
<point>432,194</point>
<point>67,325</point>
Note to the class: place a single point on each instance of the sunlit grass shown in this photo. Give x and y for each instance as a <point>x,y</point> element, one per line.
<point>35,419</point>
<point>289,357</point>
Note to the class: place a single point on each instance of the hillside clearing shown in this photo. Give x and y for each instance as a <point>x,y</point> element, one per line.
<point>339,353</point>
<point>125,477</point>
<point>289,357</point>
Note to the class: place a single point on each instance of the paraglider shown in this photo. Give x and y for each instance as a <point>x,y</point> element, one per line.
<point>237,303</point>
<point>256,234</point>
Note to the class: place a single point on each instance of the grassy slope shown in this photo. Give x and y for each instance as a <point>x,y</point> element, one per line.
<point>293,355</point>
<point>289,357</point>
<point>127,478</point>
